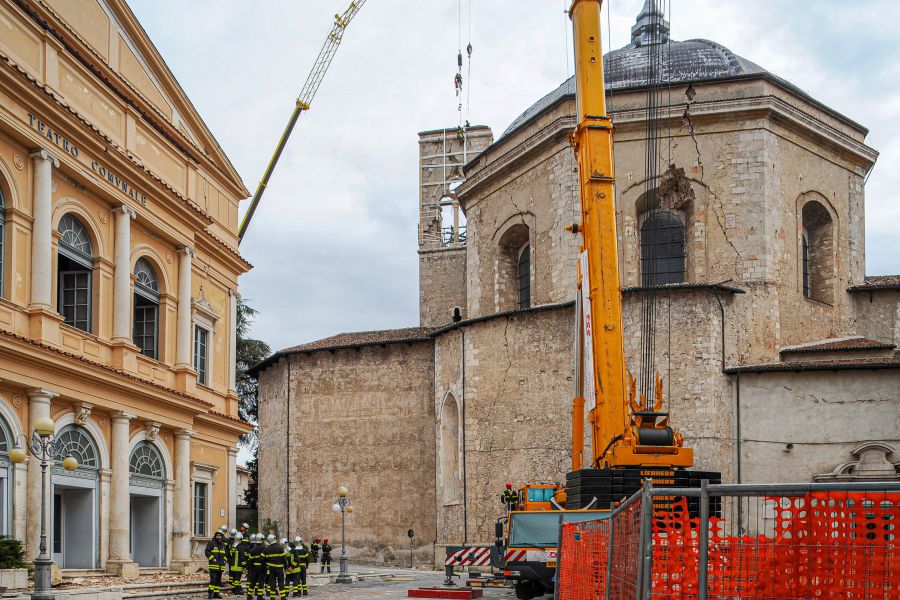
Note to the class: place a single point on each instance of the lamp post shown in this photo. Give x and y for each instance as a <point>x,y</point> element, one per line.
<point>43,447</point>
<point>343,506</point>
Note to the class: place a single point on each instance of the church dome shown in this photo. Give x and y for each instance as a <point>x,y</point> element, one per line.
<point>681,63</point>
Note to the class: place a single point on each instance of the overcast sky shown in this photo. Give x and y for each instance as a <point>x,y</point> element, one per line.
<point>334,241</point>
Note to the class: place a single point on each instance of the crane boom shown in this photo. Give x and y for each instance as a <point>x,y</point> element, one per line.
<point>623,434</point>
<point>304,100</point>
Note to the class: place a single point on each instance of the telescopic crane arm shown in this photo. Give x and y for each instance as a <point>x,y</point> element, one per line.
<point>304,100</point>
<point>622,433</point>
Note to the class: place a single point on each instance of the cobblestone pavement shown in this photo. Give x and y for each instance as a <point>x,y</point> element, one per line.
<point>384,590</point>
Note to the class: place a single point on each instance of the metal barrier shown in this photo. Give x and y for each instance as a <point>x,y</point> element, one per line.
<point>820,541</point>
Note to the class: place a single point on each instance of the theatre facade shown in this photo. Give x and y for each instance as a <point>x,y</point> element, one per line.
<point>118,293</point>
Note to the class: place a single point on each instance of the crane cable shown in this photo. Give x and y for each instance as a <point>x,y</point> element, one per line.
<point>304,100</point>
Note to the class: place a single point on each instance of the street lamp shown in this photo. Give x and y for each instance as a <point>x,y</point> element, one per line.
<point>343,506</point>
<point>43,447</point>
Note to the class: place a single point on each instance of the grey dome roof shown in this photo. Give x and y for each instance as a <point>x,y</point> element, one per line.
<point>682,63</point>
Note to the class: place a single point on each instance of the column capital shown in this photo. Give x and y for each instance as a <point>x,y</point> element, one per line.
<point>234,294</point>
<point>121,415</point>
<point>40,395</point>
<point>182,250</point>
<point>125,210</point>
<point>184,433</point>
<point>233,451</point>
<point>44,154</point>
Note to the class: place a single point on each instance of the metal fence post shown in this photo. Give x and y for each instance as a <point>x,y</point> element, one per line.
<point>645,566</point>
<point>609,550</point>
<point>703,573</point>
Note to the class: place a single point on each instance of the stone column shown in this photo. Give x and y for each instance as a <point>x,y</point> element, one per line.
<point>183,328</point>
<point>38,407</point>
<point>181,538</point>
<point>122,278</point>
<point>119,561</point>
<point>232,487</point>
<point>232,342</point>
<point>42,229</point>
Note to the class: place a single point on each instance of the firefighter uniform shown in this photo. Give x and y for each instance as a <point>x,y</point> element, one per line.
<point>509,497</point>
<point>276,559</point>
<point>299,565</point>
<point>314,550</point>
<point>326,556</point>
<point>215,554</point>
<point>256,568</point>
<point>236,562</point>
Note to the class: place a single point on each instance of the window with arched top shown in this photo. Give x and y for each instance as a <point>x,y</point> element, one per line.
<point>451,472</point>
<point>662,249</point>
<point>2,227</point>
<point>75,271</point>
<point>817,253</point>
<point>145,324</point>
<point>146,461</point>
<point>524,276</point>
<point>74,441</point>
<point>6,479</point>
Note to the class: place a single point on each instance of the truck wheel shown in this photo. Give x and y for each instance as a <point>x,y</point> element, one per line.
<point>524,590</point>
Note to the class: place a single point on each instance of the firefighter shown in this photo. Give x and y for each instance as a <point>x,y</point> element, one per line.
<point>275,559</point>
<point>292,582</point>
<point>256,569</point>
<point>245,530</point>
<point>215,554</point>
<point>326,556</point>
<point>314,550</point>
<point>302,553</point>
<point>236,562</point>
<point>229,548</point>
<point>509,497</point>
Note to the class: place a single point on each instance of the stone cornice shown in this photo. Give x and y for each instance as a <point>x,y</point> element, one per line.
<point>510,160</point>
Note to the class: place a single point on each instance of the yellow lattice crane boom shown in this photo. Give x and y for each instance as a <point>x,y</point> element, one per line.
<point>304,100</point>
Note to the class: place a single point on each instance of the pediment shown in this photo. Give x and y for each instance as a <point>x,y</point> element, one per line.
<point>115,37</point>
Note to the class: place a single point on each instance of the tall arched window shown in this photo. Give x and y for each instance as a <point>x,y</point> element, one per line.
<point>524,276</point>
<point>146,309</point>
<point>6,471</point>
<point>451,474</point>
<point>146,461</point>
<point>75,441</point>
<point>75,266</point>
<point>817,253</point>
<point>2,224</point>
<point>662,249</point>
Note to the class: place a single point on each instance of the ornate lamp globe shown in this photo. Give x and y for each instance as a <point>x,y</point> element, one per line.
<point>45,427</point>
<point>349,509</point>
<point>336,508</point>
<point>17,455</point>
<point>342,492</point>
<point>69,463</point>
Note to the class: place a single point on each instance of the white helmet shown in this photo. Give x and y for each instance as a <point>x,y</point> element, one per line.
<point>245,526</point>
<point>283,541</point>
<point>233,532</point>
<point>255,537</point>
<point>239,536</point>
<point>270,538</point>
<point>224,528</point>
<point>298,540</point>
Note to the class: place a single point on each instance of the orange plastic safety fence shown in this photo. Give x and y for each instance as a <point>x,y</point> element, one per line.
<point>819,546</point>
<point>582,575</point>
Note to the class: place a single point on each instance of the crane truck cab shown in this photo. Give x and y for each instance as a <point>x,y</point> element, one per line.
<point>541,496</point>
<point>528,541</point>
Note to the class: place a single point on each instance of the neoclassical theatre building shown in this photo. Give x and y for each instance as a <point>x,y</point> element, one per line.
<point>777,352</point>
<point>119,264</point>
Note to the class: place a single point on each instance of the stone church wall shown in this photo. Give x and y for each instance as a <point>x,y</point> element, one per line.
<point>877,315</point>
<point>442,285</point>
<point>797,425</point>
<point>363,418</point>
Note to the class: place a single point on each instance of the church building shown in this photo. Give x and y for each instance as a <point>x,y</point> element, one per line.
<point>118,292</point>
<point>776,352</point>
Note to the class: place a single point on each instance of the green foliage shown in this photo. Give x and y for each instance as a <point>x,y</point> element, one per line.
<point>251,494</point>
<point>249,352</point>
<point>12,554</point>
<point>271,527</point>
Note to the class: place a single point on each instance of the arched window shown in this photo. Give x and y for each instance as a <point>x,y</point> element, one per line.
<point>74,441</point>
<point>2,223</point>
<point>817,253</point>
<point>146,309</point>
<point>513,283</point>
<point>451,476</point>
<point>662,249</point>
<point>146,461</point>
<point>524,276</point>
<point>76,262</point>
<point>6,470</point>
